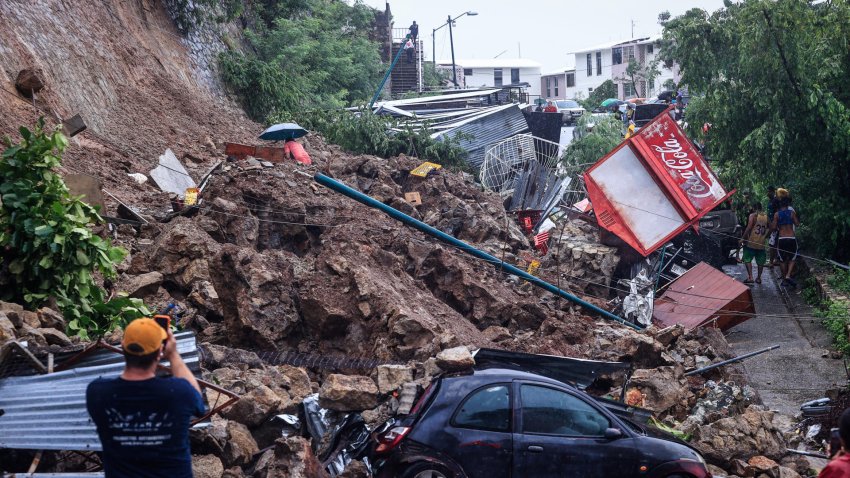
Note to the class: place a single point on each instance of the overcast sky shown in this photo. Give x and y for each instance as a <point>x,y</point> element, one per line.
<point>542,30</point>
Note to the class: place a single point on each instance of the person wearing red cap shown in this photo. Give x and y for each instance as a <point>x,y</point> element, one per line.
<point>143,420</point>
<point>839,467</point>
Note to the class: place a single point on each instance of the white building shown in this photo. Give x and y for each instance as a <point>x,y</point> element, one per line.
<point>499,72</point>
<point>609,61</point>
<point>559,84</point>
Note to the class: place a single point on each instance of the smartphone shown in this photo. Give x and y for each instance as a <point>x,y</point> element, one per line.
<point>834,442</point>
<point>164,321</point>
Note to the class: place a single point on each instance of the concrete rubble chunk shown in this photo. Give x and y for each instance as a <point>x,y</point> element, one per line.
<point>392,377</point>
<point>207,466</point>
<point>51,319</point>
<point>663,387</point>
<point>255,407</point>
<point>763,464</point>
<point>7,329</point>
<point>749,434</point>
<point>142,285</point>
<point>241,446</point>
<point>54,337</point>
<point>347,393</point>
<point>455,359</point>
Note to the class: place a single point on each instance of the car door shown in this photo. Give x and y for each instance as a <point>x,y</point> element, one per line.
<point>559,434</point>
<point>482,429</point>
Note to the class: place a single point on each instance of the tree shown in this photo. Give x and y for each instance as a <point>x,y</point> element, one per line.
<point>601,93</point>
<point>770,76</point>
<point>604,134</point>
<point>643,75</point>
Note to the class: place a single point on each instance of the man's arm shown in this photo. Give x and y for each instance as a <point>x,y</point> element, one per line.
<point>178,367</point>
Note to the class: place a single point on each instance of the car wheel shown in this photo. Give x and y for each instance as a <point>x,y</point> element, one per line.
<point>427,470</point>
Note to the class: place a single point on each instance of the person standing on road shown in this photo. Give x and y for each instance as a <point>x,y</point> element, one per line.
<point>143,420</point>
<point>753,242</point>
<point>839,467</point>
<point>784,221</point>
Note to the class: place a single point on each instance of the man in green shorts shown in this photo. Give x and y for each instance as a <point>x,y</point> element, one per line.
<point>753,241</point>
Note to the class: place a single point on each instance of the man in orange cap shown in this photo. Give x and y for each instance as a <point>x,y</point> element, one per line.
<point>143,420</point>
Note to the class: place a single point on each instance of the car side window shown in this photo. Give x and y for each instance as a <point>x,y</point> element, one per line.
<point>487,408</point>
<point>554,412</point>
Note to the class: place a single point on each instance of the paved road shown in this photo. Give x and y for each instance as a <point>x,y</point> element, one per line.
<point>798,370</point>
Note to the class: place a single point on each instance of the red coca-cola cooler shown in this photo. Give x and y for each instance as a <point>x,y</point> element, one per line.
<point>652,186</point>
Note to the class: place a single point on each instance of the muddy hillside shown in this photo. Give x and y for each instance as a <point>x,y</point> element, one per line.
<point>271,263</point>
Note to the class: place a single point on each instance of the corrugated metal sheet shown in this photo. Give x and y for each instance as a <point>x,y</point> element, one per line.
<point>703,296</point>
<point>48,412</point>
<point>485,129</point>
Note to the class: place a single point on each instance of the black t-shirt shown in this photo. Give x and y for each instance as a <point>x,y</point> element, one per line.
<point>144,425</point>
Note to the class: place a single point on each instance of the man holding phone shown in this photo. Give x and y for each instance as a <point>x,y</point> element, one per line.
<point>143,420</point>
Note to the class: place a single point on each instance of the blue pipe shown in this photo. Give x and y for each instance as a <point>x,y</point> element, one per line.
<point>389,72</point>
<point>396,214</point>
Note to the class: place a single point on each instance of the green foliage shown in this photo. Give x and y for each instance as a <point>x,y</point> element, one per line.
<point>606,132</point>
<point>835,321</point>
<point>635,73</point>
<point>601,93</point>
<point>839,280</point>
<point>305,55</point>
<point>431,77</point>
<point>772,81</point>
<point>49,251</point>
<point>367,133</point>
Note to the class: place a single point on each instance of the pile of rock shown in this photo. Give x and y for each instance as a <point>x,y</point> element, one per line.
<point>39,329</point>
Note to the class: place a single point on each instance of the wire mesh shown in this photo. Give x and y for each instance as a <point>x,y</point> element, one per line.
<point>506,159</point>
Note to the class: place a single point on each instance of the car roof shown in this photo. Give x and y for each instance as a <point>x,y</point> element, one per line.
<point>506,373</point>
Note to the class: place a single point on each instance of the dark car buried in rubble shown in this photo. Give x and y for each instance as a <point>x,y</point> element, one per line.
<point>497,422</point>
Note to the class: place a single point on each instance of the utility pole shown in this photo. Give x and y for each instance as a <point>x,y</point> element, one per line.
<point>452,43</point>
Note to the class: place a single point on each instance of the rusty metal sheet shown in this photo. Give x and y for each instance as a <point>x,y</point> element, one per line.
<point>704,296</point>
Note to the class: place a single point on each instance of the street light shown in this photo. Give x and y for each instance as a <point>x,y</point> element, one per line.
<point>449,22</point>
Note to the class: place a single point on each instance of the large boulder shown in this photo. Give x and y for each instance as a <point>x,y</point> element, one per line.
<point>455,359</point>
<point>256,406</point>
<point>744,436</point>
<point>293,458</point>
<point>143,284</point>
<point>663,387</point>
<point>347,393</point>
<point>241,446</point>
<point>392,377</point>
<point>7,329</point>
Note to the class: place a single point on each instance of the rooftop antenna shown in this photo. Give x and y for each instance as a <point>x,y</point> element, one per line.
<point>518,50</point>
<point>633,28</point>
<point>500,54</point>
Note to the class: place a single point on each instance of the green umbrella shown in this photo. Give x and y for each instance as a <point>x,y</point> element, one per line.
<point>611,101</point>
<point>540,101</point>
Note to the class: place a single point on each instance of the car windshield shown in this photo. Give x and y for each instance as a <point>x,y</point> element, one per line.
<point>567,104</point>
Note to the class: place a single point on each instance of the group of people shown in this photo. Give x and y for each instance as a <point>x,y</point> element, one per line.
<point>772,233</point>
<point>410,43</point>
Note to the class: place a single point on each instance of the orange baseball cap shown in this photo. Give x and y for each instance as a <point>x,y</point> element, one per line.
<point>143,337</point>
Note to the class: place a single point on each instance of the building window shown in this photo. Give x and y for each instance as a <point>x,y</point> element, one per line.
<point>629,53</point>
<point>628,90</point>
<point>598,63</point>
<point>650,48</point>
<point>589,65</point>
<point>514,76</point>
<point>467,72</point>
<point>497,76</point>
<point>590,90</point>
<point>651,85</point>
<point>571,80</point>
<point>548,88</point>
<point>556,86</point>
<point>617,56</point>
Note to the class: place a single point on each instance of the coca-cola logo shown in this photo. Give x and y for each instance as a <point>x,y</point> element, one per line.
<point>676,157</point>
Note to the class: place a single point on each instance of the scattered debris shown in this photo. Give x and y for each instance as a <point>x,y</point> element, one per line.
<point>171,176</point>
<point>89,187</point>
<point>73,126</point>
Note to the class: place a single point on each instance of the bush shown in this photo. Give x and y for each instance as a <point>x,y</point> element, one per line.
<point>589,147</point>
<point>835,321</point>
<point>49,250</point>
